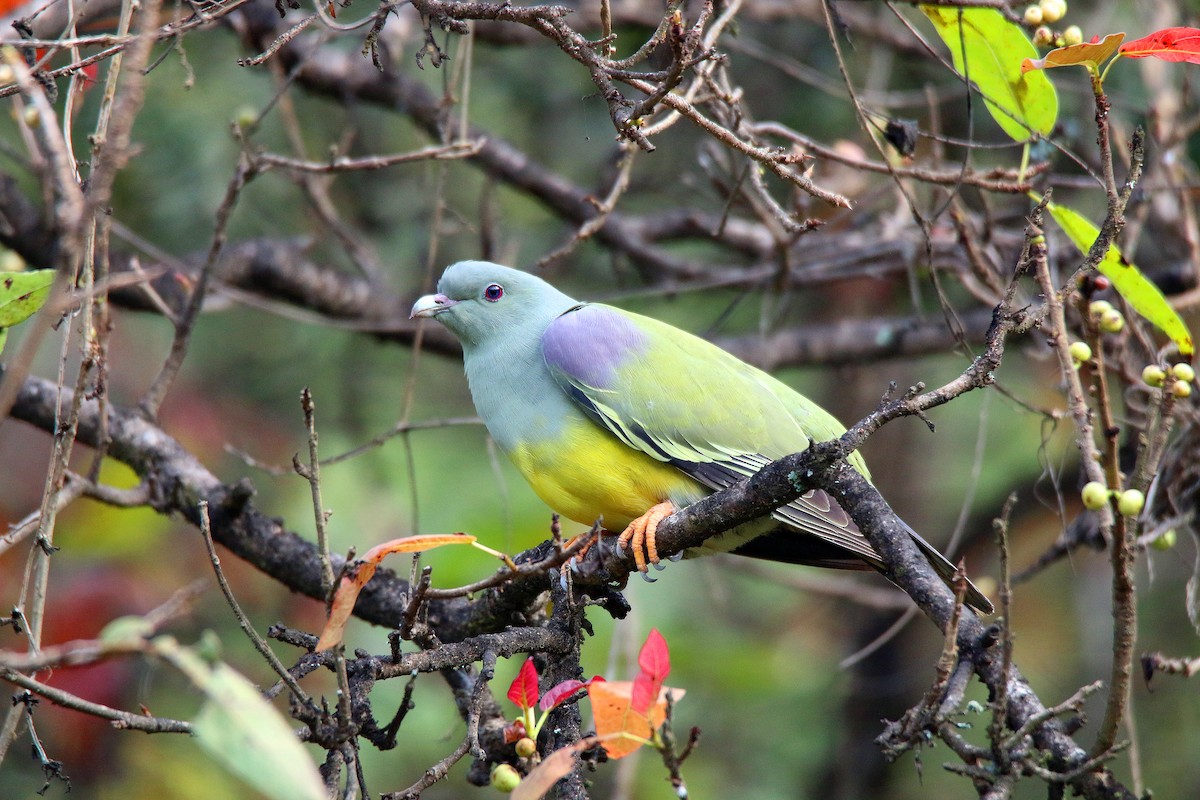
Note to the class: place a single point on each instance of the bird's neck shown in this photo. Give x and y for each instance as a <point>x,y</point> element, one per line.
<point>513,390</point>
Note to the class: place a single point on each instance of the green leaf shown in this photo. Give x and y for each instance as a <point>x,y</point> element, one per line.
<point>242,731</point>
<point>124,631</point>
<point>1141,294</point>
<point>247,736</point>
<point>989,50</point>
<point>22,294</point>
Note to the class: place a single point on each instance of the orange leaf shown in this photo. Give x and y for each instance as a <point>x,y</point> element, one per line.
<point>413,544</point>
<point>622,729</point>
<point>363,570</point>
<point>1169,44</point>
<point>1087,54</point>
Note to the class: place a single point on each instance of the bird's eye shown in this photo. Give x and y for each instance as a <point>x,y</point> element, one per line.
<point>493,292</point>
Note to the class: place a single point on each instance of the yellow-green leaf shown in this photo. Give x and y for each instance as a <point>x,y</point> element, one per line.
<point>1141,294</point>
<point>22,294</point>
<point>242,731</point>
<point>126,631</point>
<point>989,50</point>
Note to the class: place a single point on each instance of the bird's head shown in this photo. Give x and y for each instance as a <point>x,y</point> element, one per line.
<point>478,300</point>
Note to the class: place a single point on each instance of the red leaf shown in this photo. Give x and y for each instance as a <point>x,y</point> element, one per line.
<point>514,732</point>
<point>560,693</point>
<point>524,689</point>
<point>655,662</point>
<point>643,693</point>
<point>1169,44</point>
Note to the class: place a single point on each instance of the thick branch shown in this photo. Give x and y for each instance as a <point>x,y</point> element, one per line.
<point>178,482</point>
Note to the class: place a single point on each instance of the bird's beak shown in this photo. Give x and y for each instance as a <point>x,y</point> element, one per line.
<point>431,305</point>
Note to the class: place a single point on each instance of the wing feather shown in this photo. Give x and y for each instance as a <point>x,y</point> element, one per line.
<point>684,401</point>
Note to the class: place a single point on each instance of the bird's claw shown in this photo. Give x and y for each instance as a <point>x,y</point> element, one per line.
<point>675,556</point>
<point>640,535</point>
<point>658,565</point>
<point>648,578</point>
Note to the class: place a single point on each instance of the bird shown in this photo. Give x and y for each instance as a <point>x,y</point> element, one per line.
<point>612,415</point>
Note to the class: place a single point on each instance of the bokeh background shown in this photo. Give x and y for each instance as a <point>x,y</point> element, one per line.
<point>760,658</point>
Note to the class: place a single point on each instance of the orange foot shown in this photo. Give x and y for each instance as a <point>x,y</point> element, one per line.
<point>583,551</point>
<point>640,534</point>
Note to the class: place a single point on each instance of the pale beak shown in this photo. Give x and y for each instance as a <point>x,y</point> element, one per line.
<point>430,305</point>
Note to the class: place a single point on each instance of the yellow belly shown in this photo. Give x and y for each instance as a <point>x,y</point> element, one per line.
<point>589,473</point>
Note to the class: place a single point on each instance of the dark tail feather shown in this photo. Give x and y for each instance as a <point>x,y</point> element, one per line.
<point>975,598</point>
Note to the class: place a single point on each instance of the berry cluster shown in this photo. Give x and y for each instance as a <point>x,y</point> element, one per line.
<point>1044,14</point>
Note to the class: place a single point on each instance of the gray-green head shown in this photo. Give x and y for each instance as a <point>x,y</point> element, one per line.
<point>480,301</point>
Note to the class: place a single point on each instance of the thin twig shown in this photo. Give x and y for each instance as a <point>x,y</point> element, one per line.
<point>280,41</point>
<point>120,719</point>
<point>439,770</point>
<point>154,396</point>
<point>311,472</point>
<point>247,627</point>
<point>344,164</point>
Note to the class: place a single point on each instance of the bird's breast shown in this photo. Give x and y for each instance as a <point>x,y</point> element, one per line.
<point>586,473</point>
<point>578,468</point>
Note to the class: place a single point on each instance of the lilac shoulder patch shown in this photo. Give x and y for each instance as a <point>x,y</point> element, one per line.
<point>589,343</point>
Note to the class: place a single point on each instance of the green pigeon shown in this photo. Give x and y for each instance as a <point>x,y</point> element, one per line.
<point>609,414</point>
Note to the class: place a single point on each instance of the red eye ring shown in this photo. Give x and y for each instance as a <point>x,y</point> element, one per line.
<point>493,292</point>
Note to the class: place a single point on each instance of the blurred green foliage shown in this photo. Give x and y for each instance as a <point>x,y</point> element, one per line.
<point>780,717</point>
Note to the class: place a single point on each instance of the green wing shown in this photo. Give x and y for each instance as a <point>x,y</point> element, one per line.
<point>685,401</point>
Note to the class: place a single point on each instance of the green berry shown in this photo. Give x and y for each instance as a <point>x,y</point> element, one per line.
<point>1166,540</point>
<point>1181,389</point>
<point>1097,308</point>
<point>1112,321</point>
<point>1154,375</point>
<point>208,647</point>
<point>1033,16</point>
<point>1183,372</point>
<point>1043,37</point>
<point>1072,35</point>
<point>505,777</point>
<point>245,117</point>
<point>32,116</point>
<point>1130,502</point>
<point>1095,495</point>
<point>526,747</point>
<point>1080,351</point>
